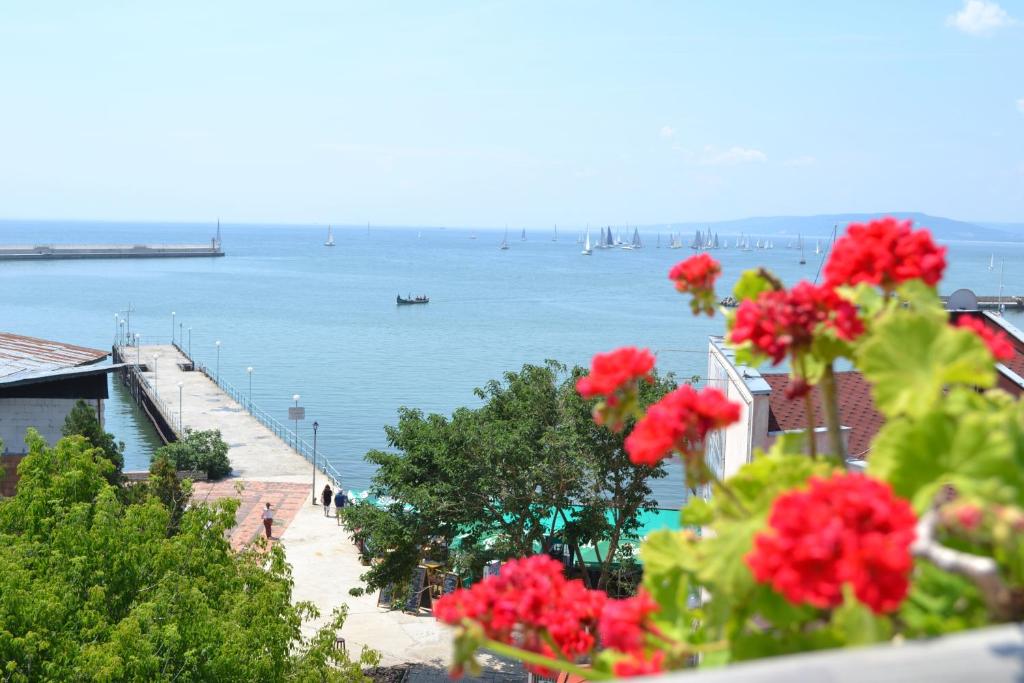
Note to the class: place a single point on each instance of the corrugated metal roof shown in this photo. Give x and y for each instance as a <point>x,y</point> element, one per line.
<point>22,356</point>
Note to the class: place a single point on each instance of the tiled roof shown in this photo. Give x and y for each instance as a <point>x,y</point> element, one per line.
<point>856,409</point>
<point>22,356</point>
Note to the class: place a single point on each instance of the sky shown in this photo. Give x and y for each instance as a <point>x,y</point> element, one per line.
<point>520,113</point>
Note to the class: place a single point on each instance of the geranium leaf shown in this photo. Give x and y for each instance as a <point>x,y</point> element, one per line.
<point>910,358</point>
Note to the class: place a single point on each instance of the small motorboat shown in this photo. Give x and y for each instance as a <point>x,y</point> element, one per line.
<point>411,300</point>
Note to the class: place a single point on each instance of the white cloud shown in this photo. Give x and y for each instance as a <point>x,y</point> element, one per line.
<point>805,160</point>
<point>1020,105</point>
<point>979,17</point>
<point>712,156</point>
<point>667,131</point>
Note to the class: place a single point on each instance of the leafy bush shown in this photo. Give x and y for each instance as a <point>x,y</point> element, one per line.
<point>201,451</point>
<point>95,589</point>
<point>83,421</point>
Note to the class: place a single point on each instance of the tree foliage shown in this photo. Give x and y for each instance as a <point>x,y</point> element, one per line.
<point>83,421</point>
<point>92,588</point>
<point>498,472</point>
<point>203,451</point>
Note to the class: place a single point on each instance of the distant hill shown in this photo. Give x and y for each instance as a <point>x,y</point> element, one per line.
<point>821,226</point>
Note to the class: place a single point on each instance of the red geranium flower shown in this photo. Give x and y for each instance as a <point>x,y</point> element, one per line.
<point>624,622</point>
<point>680,421</point>
<point>780,322</point>
<point>616,371</point>
<point>697,276</point>
<point>884,252</point>
<point>638,665</point>
<point>530,598</point>
<point>846,529</point>
<point>996,340</point>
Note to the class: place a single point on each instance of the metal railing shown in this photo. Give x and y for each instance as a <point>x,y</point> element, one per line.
<point>283,432</point>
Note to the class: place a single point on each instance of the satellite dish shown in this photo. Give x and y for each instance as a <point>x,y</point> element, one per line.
<point>962,300</point>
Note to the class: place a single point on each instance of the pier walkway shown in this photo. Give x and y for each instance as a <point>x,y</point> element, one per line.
<point>267,465</point>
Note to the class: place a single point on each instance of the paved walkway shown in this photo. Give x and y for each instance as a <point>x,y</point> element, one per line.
<point>325,563</point>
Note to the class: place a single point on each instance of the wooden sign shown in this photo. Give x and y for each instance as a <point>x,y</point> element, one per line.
<point>419,577</point>
<point>450,583</point>
<point>386,596</point>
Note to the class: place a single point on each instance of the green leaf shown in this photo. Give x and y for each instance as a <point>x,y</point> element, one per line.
<point>910,358</point>
<point>697,512</point>
<point>750,284</point>
<point>977,450</point>
<point>855,624</point>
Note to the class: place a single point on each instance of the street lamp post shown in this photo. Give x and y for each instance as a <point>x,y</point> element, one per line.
<point>172,327</point>
<point>124,339</point>
<point>156,389</point>
<point>316,426</point>
<point>181,419</point>
<point>217,343</point>
<point>296,397</point>
<point>181,334</point>
<point>117,324</point>
<point>138,351</point>
<point>248,371</point>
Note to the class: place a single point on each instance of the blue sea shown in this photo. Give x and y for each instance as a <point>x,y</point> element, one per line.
<point>322,322</point>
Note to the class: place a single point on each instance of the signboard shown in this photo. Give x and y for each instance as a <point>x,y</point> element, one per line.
<point>419,577</point>
<point>450,583</point>
<point>297,413</point>
<point>492,568</point>
<point>386,596</point>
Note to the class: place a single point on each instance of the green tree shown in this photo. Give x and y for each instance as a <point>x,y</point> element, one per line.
<point>506,472</point>
<point>83,421</point>
<point>203,451</point>
<point>96,589</point>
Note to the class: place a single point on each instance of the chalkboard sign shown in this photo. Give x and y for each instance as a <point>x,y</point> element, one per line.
<point>419,577</point>
<point>450,583</point>
<point>386,596</point>
<point>492,568</point>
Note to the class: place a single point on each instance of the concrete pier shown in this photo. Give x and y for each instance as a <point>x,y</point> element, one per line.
<point>50,252</point>
<point>325,562</point>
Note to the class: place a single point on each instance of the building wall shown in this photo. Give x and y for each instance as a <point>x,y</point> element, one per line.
<point>46,415</point>
<point>731,448</point>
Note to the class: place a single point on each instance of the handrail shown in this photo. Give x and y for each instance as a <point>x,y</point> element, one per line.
<point>287,435</point>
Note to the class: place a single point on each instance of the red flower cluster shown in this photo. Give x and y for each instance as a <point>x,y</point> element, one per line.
<point>996,340</point>
<point>616,371</point>
<point>529,598</point>
<point>680,421</point>
<point>845,529</point>
<point>697,276</point>
<point>884,252</point>
<point>624,622</point>
<point>779,322</point>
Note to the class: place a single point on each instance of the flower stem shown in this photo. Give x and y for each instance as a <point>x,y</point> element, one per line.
<point>729,493</point>
<point>546,662</point>
<point>831,401</point>
<point>812,440</point>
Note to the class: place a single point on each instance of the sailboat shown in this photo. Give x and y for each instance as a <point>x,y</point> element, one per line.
<point>637,244</point>
<point>657,245</point>
<point>504,241</point>
<point>330,238</point>
<point>992,262</point>
<point>555,238</point>
<point>817,247</point>
<point>472,236</point>
<point>523,236</point>
<point>801,242</point>
<point>586,245</point>
<point>609,241</point>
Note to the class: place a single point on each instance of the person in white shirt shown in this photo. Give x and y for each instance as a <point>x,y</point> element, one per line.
<point>268,519</point>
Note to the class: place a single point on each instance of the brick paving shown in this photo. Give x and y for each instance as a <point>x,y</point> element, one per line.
<point>285,500</point>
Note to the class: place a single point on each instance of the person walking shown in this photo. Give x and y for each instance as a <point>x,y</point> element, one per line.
<point>268,520</point>
<point>326,496</point>
<point>340,500</point>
